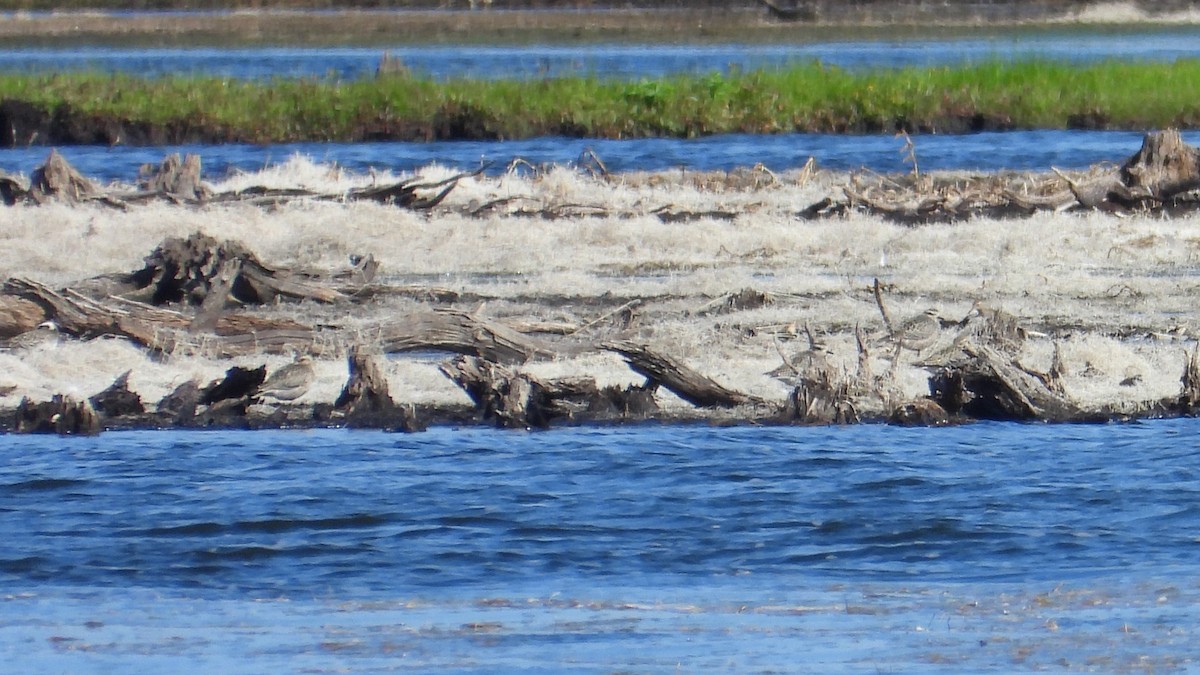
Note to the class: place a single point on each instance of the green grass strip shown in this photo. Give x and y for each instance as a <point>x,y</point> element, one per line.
<point>804,97</point>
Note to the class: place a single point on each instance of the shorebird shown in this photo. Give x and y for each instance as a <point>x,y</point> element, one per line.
<point>809,363</point>
<point>289,382</point>
<point>46,333</point>
<point>920,332</point>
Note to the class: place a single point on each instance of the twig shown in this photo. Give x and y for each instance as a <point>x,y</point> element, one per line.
<point>636,302</point>
<point>887,319</point>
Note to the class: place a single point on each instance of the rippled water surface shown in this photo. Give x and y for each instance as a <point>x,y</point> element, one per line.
<point>990,547</point>
<point>612,60</point>
<point>1017,150</point>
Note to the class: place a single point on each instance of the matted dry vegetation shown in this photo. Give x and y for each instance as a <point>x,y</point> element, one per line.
<point>720,272</point>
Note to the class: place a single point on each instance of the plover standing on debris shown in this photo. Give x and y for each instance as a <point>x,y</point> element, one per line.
<point>289,382</point>
<point>46,333</point>
<point>920,332</point>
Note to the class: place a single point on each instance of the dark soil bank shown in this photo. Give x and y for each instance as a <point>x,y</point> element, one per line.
<point>24,124</point>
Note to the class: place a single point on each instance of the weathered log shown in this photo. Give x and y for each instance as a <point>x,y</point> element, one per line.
<point>158,329</point>
<point>117,399</point>
<point>509,399</point>
<point>176,179</point>
<point>13,189</point>
<point>818,399</point>
<point>985,384</point>
<point>365,397</point>
<point>180,404</point>
<point>238,383</point>
<point>211,308</point>
<point>58,180</point>
<point>630,402</point>
<point>1189,396</point>
<point>1164,167</point>
<point>799,12</point>
<point>686,383</point>
<point>405,193</point>
<point>461,333</point>
<point>919,413</point>
<point>60,415</point>
<point>80,317</point>
<point>185,270</point>
<point>745,299</point>
<point>18,315</point>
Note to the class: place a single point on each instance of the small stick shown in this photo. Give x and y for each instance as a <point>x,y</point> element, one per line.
<point>887,319</point>
<point>629,305</point>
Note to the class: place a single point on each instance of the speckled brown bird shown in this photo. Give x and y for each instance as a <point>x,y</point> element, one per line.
<point>289,382</point>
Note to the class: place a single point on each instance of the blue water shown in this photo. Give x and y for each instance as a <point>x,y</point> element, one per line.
<point>986,548</point>
<point>993,151</point>
<point>606,60</point>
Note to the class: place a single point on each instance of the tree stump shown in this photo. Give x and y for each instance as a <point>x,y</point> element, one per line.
<point>60,415</point>
<point>510,399</point>
<point>1189,397</point>
<point>1164,166</point>
<point>117,399</point>
<point>177,179</point>
<point>365,398</point>
<point>985,384</point>
<point>238,383</point>
<point>187,270</point>
<point>919,413</point>
<point>57,179</point>
<point>180,404</point>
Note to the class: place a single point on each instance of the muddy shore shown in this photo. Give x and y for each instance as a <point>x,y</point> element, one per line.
<point>555,278</point>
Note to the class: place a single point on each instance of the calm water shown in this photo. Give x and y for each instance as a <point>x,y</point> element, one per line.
<point>616,61</point>
<point>988,548</point>
<point>1017,150</point>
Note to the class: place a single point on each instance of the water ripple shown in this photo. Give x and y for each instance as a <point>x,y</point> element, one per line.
<point>271,511</point>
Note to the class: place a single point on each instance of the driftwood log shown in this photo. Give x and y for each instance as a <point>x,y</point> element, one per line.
<point>117,400</point>
<point>157,329</point>
<point>179,181</point>
<point>176,179</point>
<point>986,385</point>
<point>365,398</point>
<point>57,180</point>
<point>239,383</point>
<point>186,270</point>
<point>60,415</point>
<point>803,11</point>
<point>18,315</point>
<point>1162,176</point>
<point>683,381</point>
<point>1164,167</point>
<point>505,397</point>
<point>460,332</point>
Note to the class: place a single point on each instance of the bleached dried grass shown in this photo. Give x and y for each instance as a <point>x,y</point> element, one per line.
<point>1097,283</point>
<point>1124,13</point>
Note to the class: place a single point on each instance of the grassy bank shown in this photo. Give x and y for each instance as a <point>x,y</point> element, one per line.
<point>802,98</point>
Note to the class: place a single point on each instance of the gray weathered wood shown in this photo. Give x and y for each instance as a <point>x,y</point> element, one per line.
<point>685,382</point>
